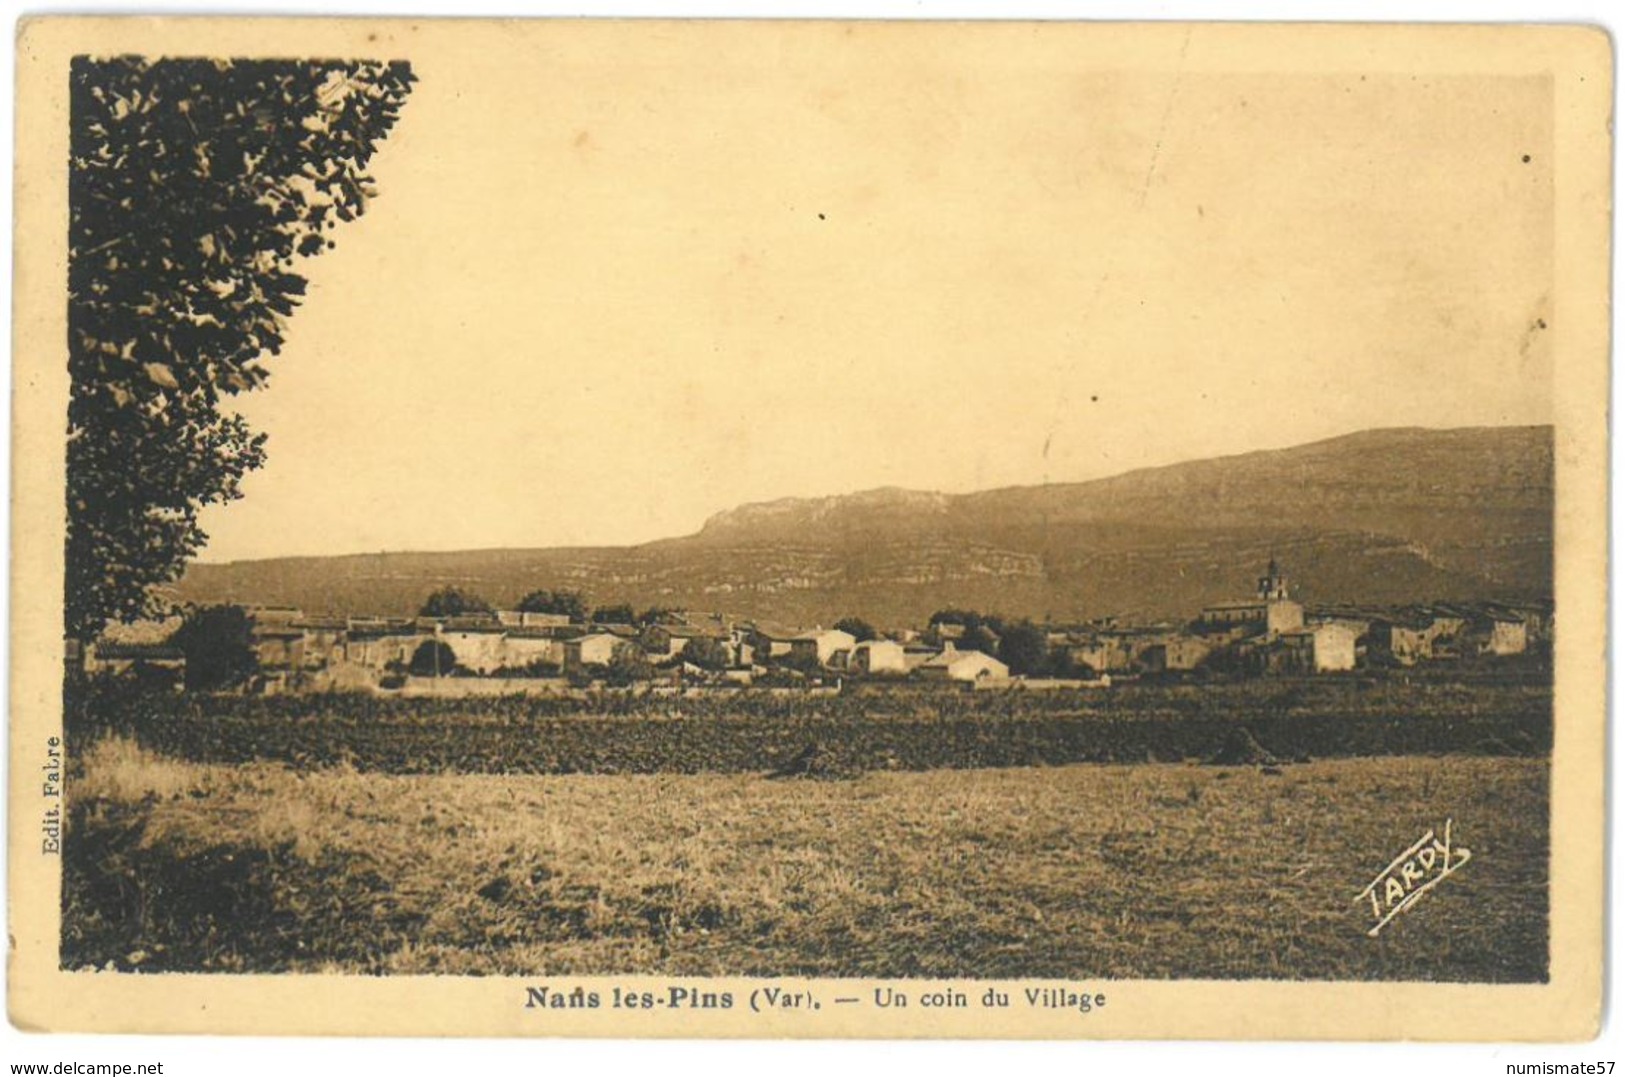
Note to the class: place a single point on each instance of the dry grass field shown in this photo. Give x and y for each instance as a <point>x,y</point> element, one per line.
<point>1148,870</point>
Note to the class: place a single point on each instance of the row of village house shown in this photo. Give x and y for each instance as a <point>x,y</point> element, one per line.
<point>361,651</point>
<point>1268,633</point>
<point>1273,633</point>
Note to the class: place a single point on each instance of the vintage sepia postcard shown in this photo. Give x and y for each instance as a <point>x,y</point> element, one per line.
<point>809,529</point>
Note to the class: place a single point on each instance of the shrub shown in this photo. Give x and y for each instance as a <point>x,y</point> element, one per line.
<point>433,659</point>
<point>219,647</point>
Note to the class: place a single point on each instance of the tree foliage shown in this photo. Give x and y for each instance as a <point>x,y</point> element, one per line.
<point>569,603</point>
<point>707,653</point>
<point>1024,647</point>
<point>620,614</point>
<point>627,665</point>
<point>969,619</point>
<point>981,631</point>
<point>218,642</point>
<point>1063,664</point>
<point>195,187</point>
<point>980,638</point>
<point>802,661</point>
<point>433,658</point>
<point>453,602</point>
<point>857,628</point>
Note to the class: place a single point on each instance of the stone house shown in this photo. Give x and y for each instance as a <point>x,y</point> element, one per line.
<point>1320,648</point>
<point>821,645</point>
<point>1178,653</point>
<point>878,656</point>
<point>479,645</point>
<point>523,647</point>
<point>593,649</point>
<point>964,666</point>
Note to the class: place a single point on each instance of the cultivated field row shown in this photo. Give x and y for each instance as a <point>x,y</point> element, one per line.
<point>841,735</point>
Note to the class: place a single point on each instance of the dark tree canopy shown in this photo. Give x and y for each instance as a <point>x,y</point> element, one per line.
<point>981,631</point>
<point>1024,647</point>
<point>1063,664</point>
<point>194,188</point>
<point>620,614</point>
<point>453,602</point>
<point>980,638</point>
<point>432,659</point>
<point>857,628</point>
<point>627,664</point>
<point>570,603</point>
<point>711,654</point>
<point>970,619</point>
<point>219,647</point>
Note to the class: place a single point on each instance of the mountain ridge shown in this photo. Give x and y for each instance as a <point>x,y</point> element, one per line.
<point>1395,514</point>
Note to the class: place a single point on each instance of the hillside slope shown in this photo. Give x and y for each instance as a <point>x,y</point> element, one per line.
<point>1381,516</point>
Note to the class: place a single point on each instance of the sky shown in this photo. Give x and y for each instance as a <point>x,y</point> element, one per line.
<point>603,295</point>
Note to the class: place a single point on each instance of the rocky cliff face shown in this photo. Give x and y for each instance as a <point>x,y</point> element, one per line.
<point>1381,516</point>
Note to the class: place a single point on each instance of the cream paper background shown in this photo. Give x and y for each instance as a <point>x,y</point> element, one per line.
<point>1577,63</point>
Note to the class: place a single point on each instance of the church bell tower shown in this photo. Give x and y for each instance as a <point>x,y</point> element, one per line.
<point>1272,587</point>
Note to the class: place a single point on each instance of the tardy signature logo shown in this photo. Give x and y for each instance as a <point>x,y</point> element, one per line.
<point>1413,873</point>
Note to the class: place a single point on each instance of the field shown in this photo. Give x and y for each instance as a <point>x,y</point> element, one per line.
<point>236,853</point>
<point>854,732</point>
